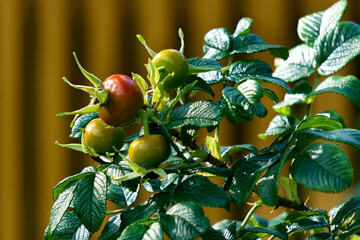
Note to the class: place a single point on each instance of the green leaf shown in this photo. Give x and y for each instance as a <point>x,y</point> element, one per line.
<point>306,223</point>
<point>73,146</point>
<point>112,228</point>
<point>123,194</point>
<point>323,167</point>
<point>143,230</point>
<point>198,65</point>
<point>235,114</point>
<point>309,27</point>
<point>268,186</point>
<point>346,135</point>
<point>243,182</point>
<point>317,25</point>
<point>278,125</point>
<point>348,86</point>
<point>243,26</point>
<point>247,96</point>
<point>197,114</point>
<point>69,181</point>
<point>228,150</point>
<point>271,94</point>
<point>212,77</point>
<point>247,172</point>
<point>318,121</point>
<point>158,185</point>
<point>253,69</point>
<point>70,227</point>
<point>349,230</point>
<point>90,200</point>
<point>144,210</point>
<point>290,99</point>
<point>217,43</point>
<point>201,85</point>
<point>262,232</point>
<point>300,64</point>
<point>184,220</point>
<point>141,82</point>
<point>251,43</point>
<point>60,207</point>
<point>333,114</point>
<point>337,48</point>
<point>202,191</point>
<point>340,213</point>
<point>92,78</point>
<point>302,86</point>
<point>81,122</point>
<point>296,216</point>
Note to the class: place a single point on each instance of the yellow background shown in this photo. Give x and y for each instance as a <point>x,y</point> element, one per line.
<point>37,38</point>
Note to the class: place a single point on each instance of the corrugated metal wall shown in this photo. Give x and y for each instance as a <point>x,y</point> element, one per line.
<point>37,38</point>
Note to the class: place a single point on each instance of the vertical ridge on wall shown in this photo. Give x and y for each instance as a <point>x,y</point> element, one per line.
<point>102,26</point>
<point>12,203</point>
<point>52,63</point>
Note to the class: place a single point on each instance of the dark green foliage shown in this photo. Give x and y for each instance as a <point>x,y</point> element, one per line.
<point>304,148</point>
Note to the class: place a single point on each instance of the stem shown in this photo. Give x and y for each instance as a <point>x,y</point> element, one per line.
<point>231,58</point>
<point>317,81</point>
<point>250,213</point>
<point>114,211</point>
<point>145,122</point>
<point>217,141</point>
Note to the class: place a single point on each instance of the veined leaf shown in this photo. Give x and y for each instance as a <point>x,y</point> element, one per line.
<point>337,48</point>
<point>346,135</point>
<point>251,43</point>
<point>112,228</point>
<point>122,193</point>
<point>197,114</point>
<point>323,167</point>
<point>254,69</point>
<point>201,85</point>
<point>268,186</point>
<point>247,172</point>
<point>300,64</point>
<point>70,227</point>
<point>202,191</point>
<point>184,220</point>
<point>81,122</point>
<point>278,125</point>
<point>290,99</point>
<point>247,96</point>
<point>228,150</point>
<point>204,63</point>
<point>316,25</point>
<point>59,208</point>
<point>340,213</point>
<point>142,230</point>
<point>63,184</point>
<point>212,77</point>
<point>348,86</point>
<point>217,43</point>
<point>309,27</point>
<point>259,232</point>
<point>243,26</point>
<point>90,200</point>
<point>306,223</point>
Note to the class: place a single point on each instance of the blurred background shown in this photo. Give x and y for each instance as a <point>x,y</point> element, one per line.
<point>37,38</point>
